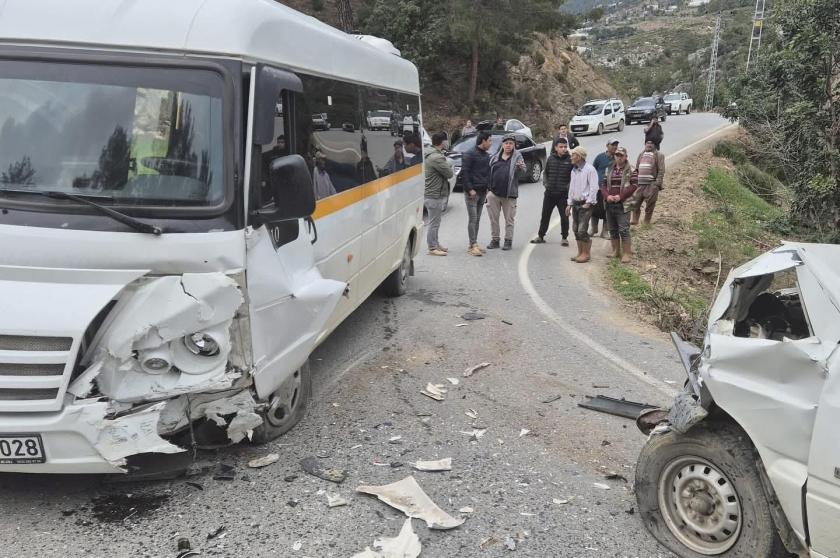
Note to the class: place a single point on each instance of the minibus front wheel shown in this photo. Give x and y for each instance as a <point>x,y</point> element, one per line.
<point>286,406</point>
<point>395,284</point>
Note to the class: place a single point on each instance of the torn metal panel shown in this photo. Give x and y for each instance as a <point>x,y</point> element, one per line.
<point>130,434</point>
<point>149,351</point>
<point>439,465</point>
<point>617,407</point>
<point>404,545</point>
<point>685,412</point>
<point>780,259</point>
<point>407,496</point>
<point>290,303</point>
<point>179,412</point>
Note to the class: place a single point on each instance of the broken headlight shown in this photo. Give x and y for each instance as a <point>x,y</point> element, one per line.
<point>201,344</point>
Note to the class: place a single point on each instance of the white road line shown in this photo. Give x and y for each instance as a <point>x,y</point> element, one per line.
<point>551,314</point>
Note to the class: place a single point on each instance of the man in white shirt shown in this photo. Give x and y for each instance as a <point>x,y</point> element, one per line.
<point>583,194</point>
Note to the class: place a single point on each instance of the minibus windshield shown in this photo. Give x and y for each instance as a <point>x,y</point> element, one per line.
<point>139,136</point>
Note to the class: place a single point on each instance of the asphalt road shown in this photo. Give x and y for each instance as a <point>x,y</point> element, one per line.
<point>549,331</point>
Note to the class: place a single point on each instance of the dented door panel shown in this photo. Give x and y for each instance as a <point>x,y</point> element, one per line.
<point>290,303</point>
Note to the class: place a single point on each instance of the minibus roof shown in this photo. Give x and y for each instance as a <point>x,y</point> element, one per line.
<point>254,30</point>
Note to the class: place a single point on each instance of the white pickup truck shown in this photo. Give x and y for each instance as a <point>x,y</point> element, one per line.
<point>676,103</point>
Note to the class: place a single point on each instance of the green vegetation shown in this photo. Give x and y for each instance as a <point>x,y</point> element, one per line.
<point>790,102</point>
<point>766,186</point>
<point>733,150</point>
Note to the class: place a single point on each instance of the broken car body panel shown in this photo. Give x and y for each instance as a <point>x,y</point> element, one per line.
<point>770,361</point>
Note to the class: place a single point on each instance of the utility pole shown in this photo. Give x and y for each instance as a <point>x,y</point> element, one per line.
<point>345,16</point>
<point>710,85</point>
<point>758,26</point>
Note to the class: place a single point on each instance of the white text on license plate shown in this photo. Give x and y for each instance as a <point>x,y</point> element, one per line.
<point>21,448</point>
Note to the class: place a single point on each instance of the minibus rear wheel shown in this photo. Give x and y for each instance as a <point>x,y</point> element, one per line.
<point>396,283</point>
<point>286,406</point>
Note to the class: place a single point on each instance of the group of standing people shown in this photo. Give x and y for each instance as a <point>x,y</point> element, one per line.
<point>610,188</point>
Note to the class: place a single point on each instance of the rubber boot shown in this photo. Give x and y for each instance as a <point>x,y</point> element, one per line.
<point>585,250</point>
<point>634,217</point>
<point>648,215</point>
<point>593,228</point>
<point>627,247</point>
<point>616,248</point>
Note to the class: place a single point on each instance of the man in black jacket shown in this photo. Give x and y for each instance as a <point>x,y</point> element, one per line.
<point>654,133</point>
<point>558,173</point>
<point>563,132</point>
<point>475,170</point>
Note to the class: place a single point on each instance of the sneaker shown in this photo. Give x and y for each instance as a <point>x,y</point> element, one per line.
<point>475,250</point>
<point>508,244</point>
<point>436,252</point>
<point>538,240</point>
<point>493,244</point>
<point>443,248</point>
<point>564,242</point>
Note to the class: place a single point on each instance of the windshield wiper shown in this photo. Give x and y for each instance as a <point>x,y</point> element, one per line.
<point>135,224</point>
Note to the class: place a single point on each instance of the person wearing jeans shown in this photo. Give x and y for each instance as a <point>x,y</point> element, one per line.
<point>438,172</point>
<point>506,167</point>
<point>475,173</point>
<point>618,187</point>
<point>558,173</point>
<point>583,193</point>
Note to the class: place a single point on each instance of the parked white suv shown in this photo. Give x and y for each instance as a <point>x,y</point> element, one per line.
<point>676,103</point>
<point>595,117</point>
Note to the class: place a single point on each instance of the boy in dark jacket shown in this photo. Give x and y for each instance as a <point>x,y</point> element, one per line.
<point>558,173</point>
<point>475,173</point>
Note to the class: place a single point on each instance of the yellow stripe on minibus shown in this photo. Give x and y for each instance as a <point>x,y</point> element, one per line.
<point>346,198</point>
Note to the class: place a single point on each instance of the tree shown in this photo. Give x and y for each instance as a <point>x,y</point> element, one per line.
<point>20,173</point>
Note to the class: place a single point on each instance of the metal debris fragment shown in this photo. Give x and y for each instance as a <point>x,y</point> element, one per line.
<point>510,543</point>
<point>473,369</point>
<point>264,461</point>
<point>453,381</point>
<point>601,485</point>
<point>471,316</point>
<point>224,472</point>
<point>560,501</point>
<point>404,545</point>
<point>407,496</point>
<point>439,465</point>
<point>612,406</point>
<point>552,399</point>
<point>615,476</point>
<point>466,509</point>
<point>435,391</point>
<point>314,467</point>
<point>524,432</point>
<point>218,532</point>
<point>335,500</point>
<point>471,413</point>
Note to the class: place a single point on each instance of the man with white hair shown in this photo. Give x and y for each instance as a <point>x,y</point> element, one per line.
<point>583,193</point>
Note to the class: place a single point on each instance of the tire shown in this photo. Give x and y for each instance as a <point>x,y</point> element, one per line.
<point>688,109</point>
<point>287,406</point>
<point>664,116</point>
<point>621,125</point>
<point>713,463</point>
<point>600,129</point>
<point>395,284</point>
<point>535,172</point>
<point>629,122</point>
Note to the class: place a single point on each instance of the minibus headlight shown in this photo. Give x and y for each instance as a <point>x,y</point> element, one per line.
<point>155,361</point>
<point>201,344</point>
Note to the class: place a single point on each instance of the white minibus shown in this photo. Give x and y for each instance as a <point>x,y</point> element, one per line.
<point>191,200</point>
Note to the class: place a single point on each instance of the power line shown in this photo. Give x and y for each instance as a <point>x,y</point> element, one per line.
<point>758,26</point>
<point>708,104</point>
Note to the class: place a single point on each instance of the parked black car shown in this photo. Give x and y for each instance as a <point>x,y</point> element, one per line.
<point>647,108</point>
<point>533,153</point>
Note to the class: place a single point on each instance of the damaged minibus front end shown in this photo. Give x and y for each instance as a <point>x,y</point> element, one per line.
<point>745,429</point>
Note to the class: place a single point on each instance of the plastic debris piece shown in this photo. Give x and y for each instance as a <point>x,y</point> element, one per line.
<point>314,467</point>
<point>612,406</point>
<point>453,381</point>
<point>471,413</point>
<point>466,509</point>
<point>600,386</point>
<point>395,440</point>
<point>264,461</point>
<point>439,465</point>
<point>506,322</point>
<point>524,432</point>
<point>407,496</point>
<point>471,316</point>
<point>335,500</point>
<point>615,476</point>
<point>434,391</point>
<point>510,543</point>
<point>297,546</point>
<point>552,399</point>
<point>224,472</point>
<point>461,325</point>
<point>215,533</point>
<point>601,485</point>
<point>488,542</point>
<point>559,501</point>
<point>473,369</point>
<point>404,545</point>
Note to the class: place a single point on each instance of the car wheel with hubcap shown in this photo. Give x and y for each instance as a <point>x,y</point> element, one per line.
<point>600,129</point>
<point>620,125</point>
<point>286,406</point>
<point>395,284</point>
<point>700,494</point>
<point>535,171</point>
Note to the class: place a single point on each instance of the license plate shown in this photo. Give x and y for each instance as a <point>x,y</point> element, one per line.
<point>21,448</point>
<point>578,128</point>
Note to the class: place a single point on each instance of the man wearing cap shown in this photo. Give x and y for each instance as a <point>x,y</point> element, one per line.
<point>651,169</point>
<point>475,176</point>
<point>558,174</point>
<point>506,168</point>
<point>617,188</point>
<point>583,193</point>
<point>397,161</point>
<point>601,162</point>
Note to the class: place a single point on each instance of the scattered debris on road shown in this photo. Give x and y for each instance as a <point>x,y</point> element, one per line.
<point>507,322</point>
<point>471,316</point>
<point>407,496</point>
<point>217,533</point>
<point>434,391</point>
<point>601,485</point>
<point>461,325</point>
<point>475,433</point>
<point>510,543</point>
<point>335,500</point>
<point>560,501</point>
<point>601,386</point>
<point>472,413</point>
<point>612,406</point>
<point>552,399</point>
<point>473,369</point>
<point>466,509</point>
<point>224,472</point>
<point>615,476</point>
<point>432,466</point>
<point>404,545</point>
<point>313,466</point>
<point>297,546</point>
<point>524,432</point>
<point>453,381</point>
<point>264,461</point>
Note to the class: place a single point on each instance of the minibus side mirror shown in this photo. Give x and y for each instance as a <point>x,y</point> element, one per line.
<point>290,186</point>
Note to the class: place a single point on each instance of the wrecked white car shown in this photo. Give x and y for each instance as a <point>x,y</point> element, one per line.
<point>166,267</point>
<point>746,463</point>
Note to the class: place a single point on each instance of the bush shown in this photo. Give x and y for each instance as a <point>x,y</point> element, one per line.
<point>539,59</point>
<point>732,150</point>
<point>766,186</point>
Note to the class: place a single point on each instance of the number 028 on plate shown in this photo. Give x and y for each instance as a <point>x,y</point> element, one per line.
<point>21,448</point>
